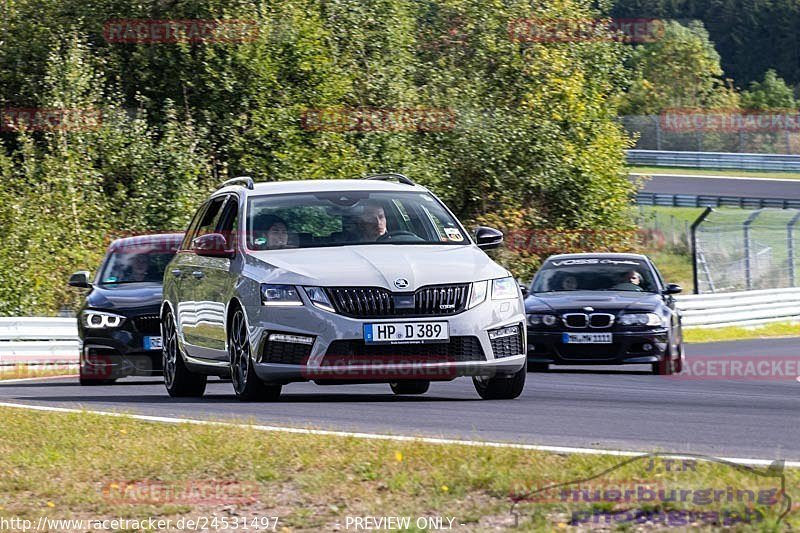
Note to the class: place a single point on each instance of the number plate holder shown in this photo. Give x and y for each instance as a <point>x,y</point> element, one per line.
<point>406,332</point>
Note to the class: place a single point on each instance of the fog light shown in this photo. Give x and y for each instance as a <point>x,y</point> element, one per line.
<point>647,347</point>
<point>295,339</point>
<point>504,332</point>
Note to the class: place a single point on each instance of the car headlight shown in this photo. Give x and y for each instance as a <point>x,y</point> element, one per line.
<point>101,320</point>
<point>640,319</point>
<point>319,298</point>
<point>478,293</point>
<point>280,295</point>
<point>538,320</point>
<point>505,289</point>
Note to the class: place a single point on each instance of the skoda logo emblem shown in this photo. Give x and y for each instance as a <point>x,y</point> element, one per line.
<point>401,283</point>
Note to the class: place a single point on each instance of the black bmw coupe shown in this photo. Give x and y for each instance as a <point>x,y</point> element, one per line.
<point>118,323</point>
<point>603,309</point>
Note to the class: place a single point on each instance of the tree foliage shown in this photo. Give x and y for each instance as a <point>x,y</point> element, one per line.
<point>533,142</point>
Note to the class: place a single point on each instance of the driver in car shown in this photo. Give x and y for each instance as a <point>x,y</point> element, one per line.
<point>631,281</point>
<point>372,222</point>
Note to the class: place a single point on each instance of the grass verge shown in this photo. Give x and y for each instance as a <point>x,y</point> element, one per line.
<point>91,467</point>
<point>705,172</point>
<point>23,371</point>
<point>738,333</point>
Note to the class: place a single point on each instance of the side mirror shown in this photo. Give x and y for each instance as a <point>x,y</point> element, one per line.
<point>673,288</point>
<point>211,245</point>
<point>80,279</point>
<point>488,238</point>
<point>523,288</point>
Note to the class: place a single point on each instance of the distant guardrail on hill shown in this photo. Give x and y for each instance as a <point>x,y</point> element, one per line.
<point>714,160</point>
<point>46,340</point>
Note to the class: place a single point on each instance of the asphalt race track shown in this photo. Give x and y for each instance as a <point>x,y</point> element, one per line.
<point>605,407</point>
<point>788,189</point>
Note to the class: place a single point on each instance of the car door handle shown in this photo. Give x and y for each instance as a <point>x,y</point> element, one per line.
<point>177,272</point>
<point>197,274</point>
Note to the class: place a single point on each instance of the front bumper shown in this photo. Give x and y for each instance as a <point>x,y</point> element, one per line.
<point>118,353</point>
<point>337,352</point>
<point>627,347</point>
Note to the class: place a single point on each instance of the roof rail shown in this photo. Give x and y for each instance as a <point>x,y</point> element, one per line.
<point>390,175</point>
<point>245,181</point>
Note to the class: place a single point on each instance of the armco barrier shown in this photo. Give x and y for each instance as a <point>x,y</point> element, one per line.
<point>745,308</point>
<point>38,340</point>
<point>50,340</point>
<point>714,160</point>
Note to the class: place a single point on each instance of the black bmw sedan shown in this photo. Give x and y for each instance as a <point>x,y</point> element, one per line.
<point>118,323</point>
<point>604,309</point>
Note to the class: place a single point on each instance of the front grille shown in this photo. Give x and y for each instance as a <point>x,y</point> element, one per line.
<point>601,320</point>
<point>285,353</point>
<point>575,320</point>
<point>148,324</point>
<point>376,302</point>
<point>459,349</point>
<point>507,346</point>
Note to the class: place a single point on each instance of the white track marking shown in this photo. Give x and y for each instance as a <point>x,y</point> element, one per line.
<point>18,380</point>
<point>397,438</point>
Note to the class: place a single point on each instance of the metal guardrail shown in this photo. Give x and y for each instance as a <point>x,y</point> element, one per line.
<point>38,340</point>
<point>690,200</point>
<point>714,160</point>
<point>41,340</point>
<point>745,308</point>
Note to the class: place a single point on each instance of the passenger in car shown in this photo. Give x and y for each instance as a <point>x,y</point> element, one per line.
<point>272,233</point>
<point>371,224</point>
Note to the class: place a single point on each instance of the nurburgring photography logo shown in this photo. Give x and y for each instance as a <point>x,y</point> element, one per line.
<point>627,30</point>
<point>145,31</point>
<point>668,490</point>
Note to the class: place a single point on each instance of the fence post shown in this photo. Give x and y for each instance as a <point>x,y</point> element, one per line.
<point>695,225</point>
<point>748,272</point>
<point>790,242</point>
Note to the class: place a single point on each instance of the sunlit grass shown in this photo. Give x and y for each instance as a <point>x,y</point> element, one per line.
<point>733,333</point>
<point>23,371</point>
<point>708,172</point>
<point>73,465</point>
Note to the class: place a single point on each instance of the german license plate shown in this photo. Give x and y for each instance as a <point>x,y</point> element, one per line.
<point>406,332</point>
<point>586,338</point>
<point>152,343</point>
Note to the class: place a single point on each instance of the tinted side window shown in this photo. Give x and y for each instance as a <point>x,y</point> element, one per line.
<point>208,223</point>
<point>228,221</point>
<point>186,243</point>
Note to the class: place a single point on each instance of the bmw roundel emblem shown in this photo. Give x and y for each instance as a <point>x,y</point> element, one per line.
<point>401,283</point>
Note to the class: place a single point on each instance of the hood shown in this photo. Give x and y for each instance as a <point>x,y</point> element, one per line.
<point>599,300</point>
<point>125,296</point>
<point>378,265</point>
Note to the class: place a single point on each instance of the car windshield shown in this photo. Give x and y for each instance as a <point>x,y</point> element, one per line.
<point>594,274</point>
<point>343,218</point>
<point>137,263</point>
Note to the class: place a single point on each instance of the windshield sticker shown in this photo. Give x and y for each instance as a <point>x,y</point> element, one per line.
<point>567,262</point>
<point>453,234</point>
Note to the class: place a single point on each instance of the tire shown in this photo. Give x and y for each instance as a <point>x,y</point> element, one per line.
<point>246,384</point>
<point>410,387</point>
<point>665,367</point>
<point>678,365</point>
<point>538,367</point>
<point>179,381</point>
<point>501,387</point>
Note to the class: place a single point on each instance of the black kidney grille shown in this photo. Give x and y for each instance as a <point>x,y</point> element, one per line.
<point>148,324</point>
<point>575,320</point>
<point>376,302</point>
<point>600,320</point>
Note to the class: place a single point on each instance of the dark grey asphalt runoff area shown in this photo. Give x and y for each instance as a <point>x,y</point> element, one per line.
<point>602,407</point>
<point>721,186</point>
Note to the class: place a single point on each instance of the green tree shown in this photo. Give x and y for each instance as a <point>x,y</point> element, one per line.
<point>771,93</point>
<point>679,70</point>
